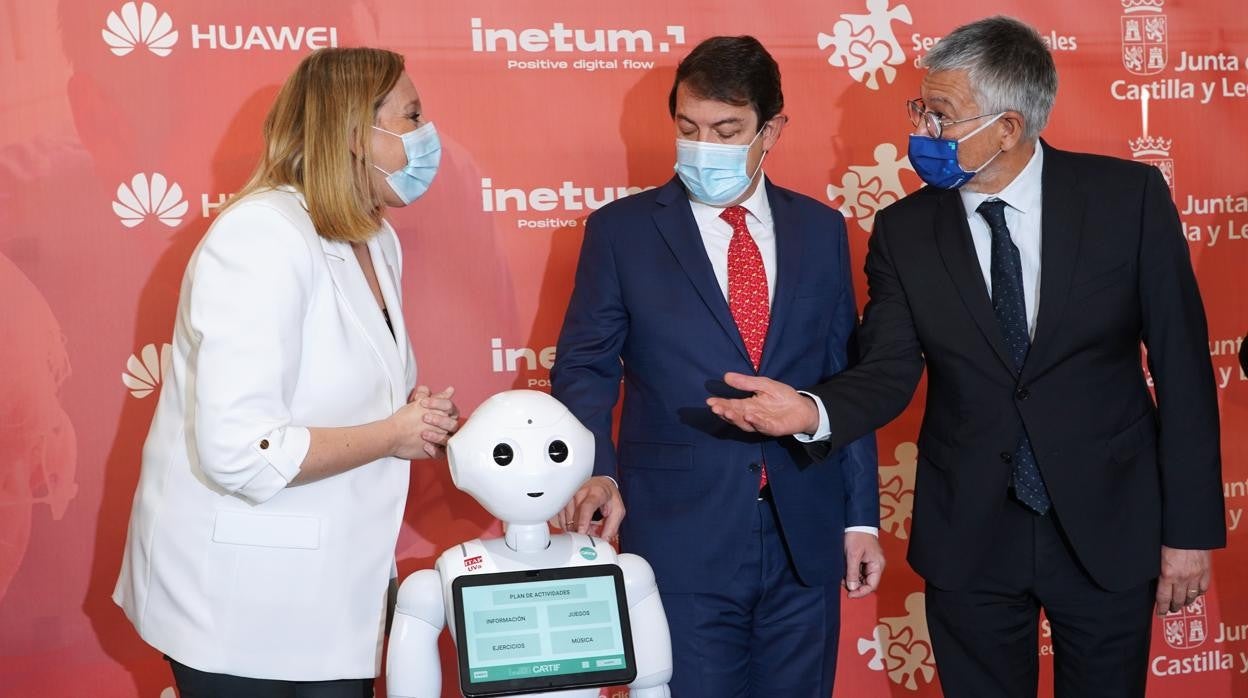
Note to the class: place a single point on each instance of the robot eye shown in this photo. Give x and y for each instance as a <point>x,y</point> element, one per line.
<point>558,451</point>
<point>503,454</point>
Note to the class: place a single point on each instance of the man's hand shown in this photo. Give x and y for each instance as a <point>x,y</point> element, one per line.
<point>598,493</point>
<point>775,409</point>
<point>864,563</point>
<point>1184,578</point>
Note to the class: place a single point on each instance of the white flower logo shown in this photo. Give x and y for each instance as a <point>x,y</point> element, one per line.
<point>140,26</point>
<point>866,44</point>
<point>145,373</point>
<point>143,198</point>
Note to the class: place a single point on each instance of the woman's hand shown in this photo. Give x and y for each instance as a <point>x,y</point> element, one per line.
<point>423,426</point>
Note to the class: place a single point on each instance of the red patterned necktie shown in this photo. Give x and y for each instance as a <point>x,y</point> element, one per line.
<point>747,290</point>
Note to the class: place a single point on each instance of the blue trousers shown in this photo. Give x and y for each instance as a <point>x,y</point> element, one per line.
<point>761,633</point>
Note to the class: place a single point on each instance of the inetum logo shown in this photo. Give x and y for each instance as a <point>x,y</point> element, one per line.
<point>144,197</point>
<point>140,26</point>
<point>562,39</point>
<point>556,48</point>
<point>145,25</point>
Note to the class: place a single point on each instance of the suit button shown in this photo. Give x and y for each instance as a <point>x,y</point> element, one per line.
<point>753,467</point>
<point>264,443</point>
<point>1022,394</point>
<point>1006,458</point>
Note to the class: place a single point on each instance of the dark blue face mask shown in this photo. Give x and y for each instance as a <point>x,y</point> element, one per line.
<point>936,159</point>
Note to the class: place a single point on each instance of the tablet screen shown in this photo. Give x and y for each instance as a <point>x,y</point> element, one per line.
<point>540,630</point>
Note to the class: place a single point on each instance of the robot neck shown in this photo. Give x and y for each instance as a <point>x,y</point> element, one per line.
<point>528,538</point>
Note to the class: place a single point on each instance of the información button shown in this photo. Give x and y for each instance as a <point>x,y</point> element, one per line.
<point>508,620</point>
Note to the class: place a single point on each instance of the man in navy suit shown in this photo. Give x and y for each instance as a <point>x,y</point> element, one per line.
<point>720,270</point>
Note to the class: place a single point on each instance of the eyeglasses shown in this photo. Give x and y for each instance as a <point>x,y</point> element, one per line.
<point>920,116</point>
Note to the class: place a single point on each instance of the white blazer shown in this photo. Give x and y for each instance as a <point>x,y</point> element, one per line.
<point>226,569</point>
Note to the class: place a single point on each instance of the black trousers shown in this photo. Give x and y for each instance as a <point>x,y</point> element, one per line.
<point>193,683</point>
<point>985,637</point>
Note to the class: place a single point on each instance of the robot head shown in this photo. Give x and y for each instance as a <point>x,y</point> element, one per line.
<point>522,455</point>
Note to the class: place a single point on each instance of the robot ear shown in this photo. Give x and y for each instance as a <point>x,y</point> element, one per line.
<point>455,461</point>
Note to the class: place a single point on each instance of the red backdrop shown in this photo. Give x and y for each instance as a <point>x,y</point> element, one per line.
<point>124,125</point>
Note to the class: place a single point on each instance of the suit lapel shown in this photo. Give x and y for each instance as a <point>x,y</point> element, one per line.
<point>958,253</point>
<point>361,306</point>
<point>788,269</point>
<point>676,224</point>
<point>1060,235</point>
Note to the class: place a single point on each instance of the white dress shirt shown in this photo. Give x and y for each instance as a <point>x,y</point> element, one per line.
<point>717,233</point>
<point>1022,217</point>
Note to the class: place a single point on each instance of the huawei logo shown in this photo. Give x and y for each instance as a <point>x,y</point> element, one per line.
<point>145,371</point>
<point>137,26</point>
<point>144,197</point>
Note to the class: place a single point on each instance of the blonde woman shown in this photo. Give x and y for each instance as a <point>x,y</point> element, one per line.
<point>261,542</point>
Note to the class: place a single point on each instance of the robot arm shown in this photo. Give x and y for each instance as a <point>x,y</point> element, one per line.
<point>652,644</point>
<point>413,669</point>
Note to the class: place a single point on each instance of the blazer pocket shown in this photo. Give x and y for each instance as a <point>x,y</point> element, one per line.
<point>1128,443</point>
<point>656,455</point>
<point>267,530</point>
<point>936,452</point>
<point>1086,287</point>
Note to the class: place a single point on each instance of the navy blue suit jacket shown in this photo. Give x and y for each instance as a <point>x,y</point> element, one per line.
<point>647,308</point>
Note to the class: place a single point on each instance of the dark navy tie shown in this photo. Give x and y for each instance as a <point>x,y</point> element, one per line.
<point>1011,311</point>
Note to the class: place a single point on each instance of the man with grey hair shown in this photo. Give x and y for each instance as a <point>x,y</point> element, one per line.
<point>1026,279</point>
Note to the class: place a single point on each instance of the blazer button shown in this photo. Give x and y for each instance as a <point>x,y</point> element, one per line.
<point>264,443</point>
<point>1023,394</point>
<point>1006,458</point>
<point>753,467</point>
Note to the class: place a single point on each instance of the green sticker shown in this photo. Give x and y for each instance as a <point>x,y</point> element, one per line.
<point>589,553</point>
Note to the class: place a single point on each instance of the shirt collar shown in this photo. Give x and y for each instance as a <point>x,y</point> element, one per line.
<point>1022,194</point>
<point>757,205</point>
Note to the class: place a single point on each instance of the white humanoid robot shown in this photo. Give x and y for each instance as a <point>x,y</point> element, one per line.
<point>522,455</point>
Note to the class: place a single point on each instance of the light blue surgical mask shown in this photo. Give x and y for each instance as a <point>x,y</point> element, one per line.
<point>935,160</point>
<point>714,173</point>
<point>424,152</point>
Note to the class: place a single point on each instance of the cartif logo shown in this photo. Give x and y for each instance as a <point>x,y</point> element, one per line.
<point>1187,627</point>
<point>1144,31</point>
<point>143,375</point>
<point>141,199</point>
<point>589,553</point>
<point>866,44</point>
<point>140,26</point>
<point>866,189</point>
<point>902,646</point>
<point>897,491</point>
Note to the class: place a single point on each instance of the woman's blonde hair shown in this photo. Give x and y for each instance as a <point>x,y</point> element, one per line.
<point>323,113</point>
